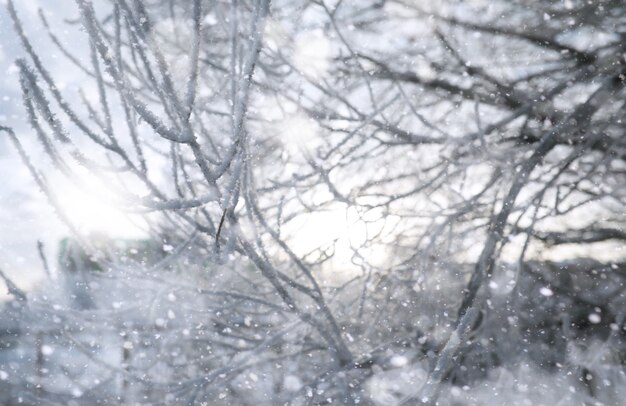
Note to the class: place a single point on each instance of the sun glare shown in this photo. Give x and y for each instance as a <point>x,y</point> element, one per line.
<point>343,229</point>
<point>92,214</point>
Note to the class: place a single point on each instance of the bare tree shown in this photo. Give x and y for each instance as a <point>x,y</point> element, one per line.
<point>453,142</point>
